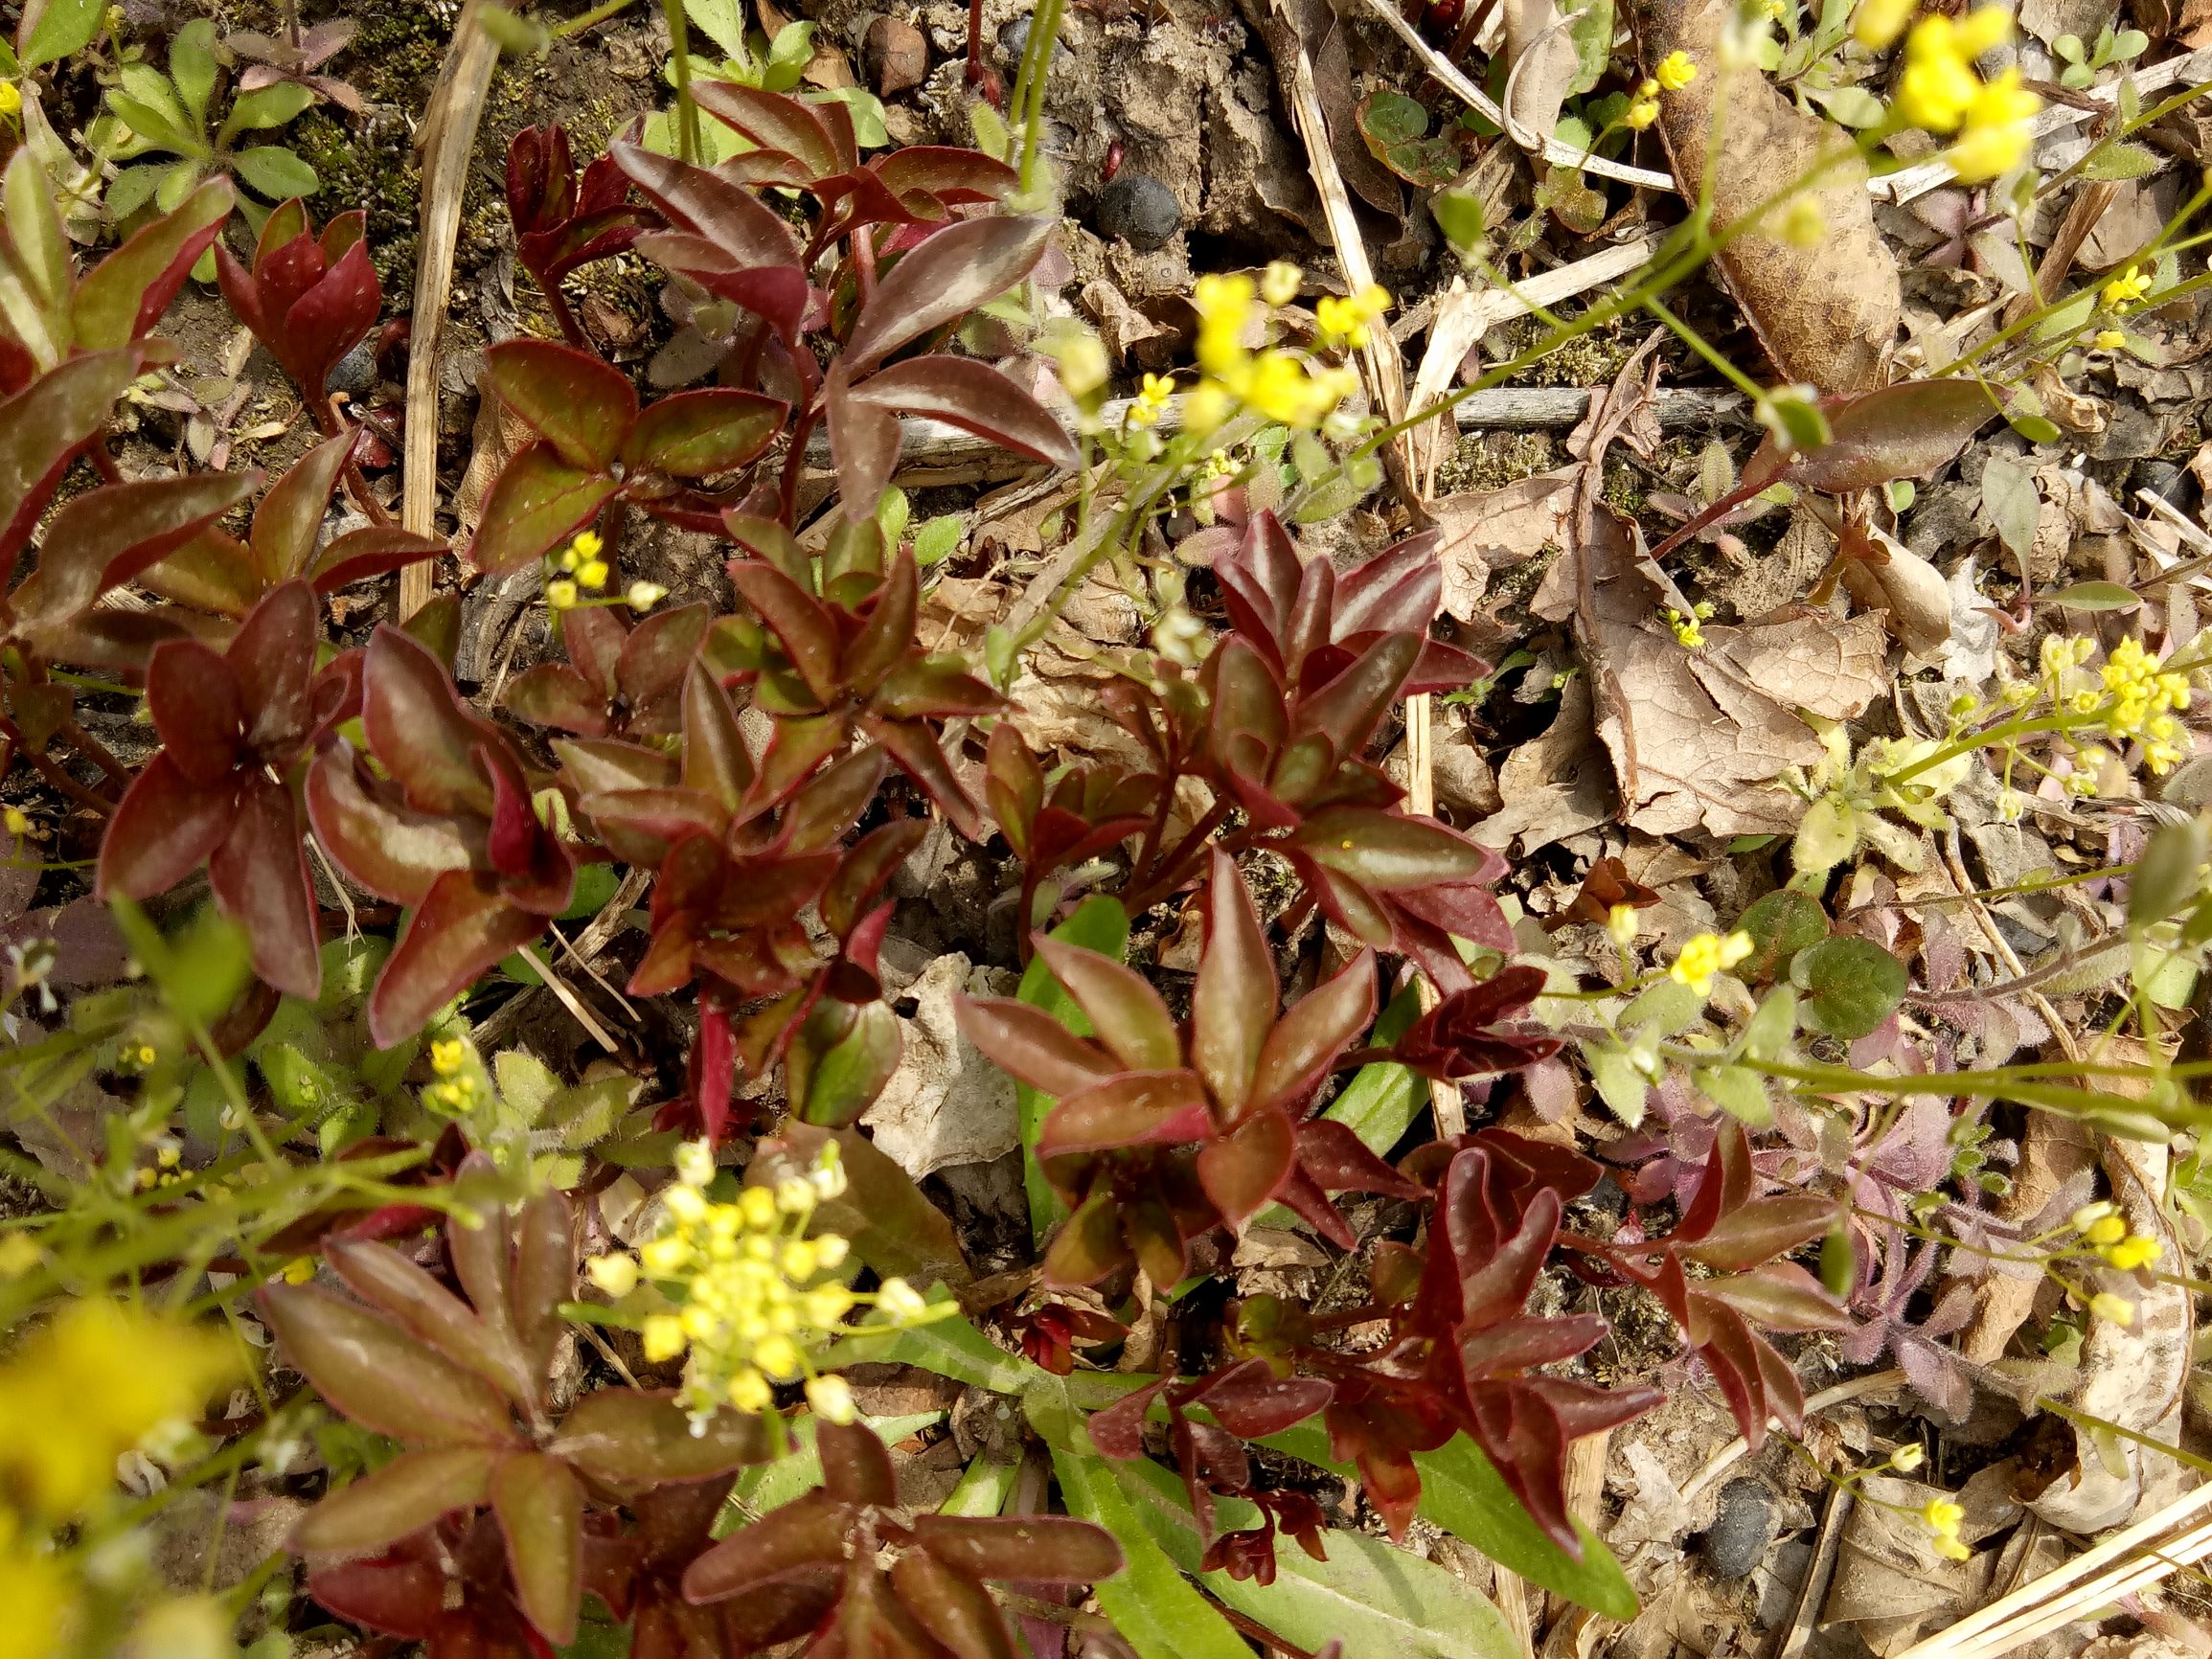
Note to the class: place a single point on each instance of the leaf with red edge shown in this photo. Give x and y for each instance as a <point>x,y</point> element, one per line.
<point>697,434</point>
<point>1307,1040</point>
<point>975,398</point>
<point>106,536</point>
<point>916,748</point>
<point>43,426</point>
<point>773,121</point>
<point>378,1377</point>
<point>433,1316</point>
<point>797,1537</point>
<point>1337,1160</point>
<point>776,292</point>
<point>1781,1296</point>
<point>404,1496</point>
<point>1234,1001</point>
<point>418,728</point>
<point>1136,1109</point>
<point>957,269</point>
<point>123,296</point>
<point>935,686</point>
<point>1762,1229</point>
<point>372,550</point>
<point>537,502</point>
<point>947,173</point>
<point>583,407</point>
<point>260,880</point>
<point>631,1439</point>
<point>462,926</point>
<point>1031,1046</point>
<point>289,519</point>
<point>1244,1168</point>
<point>956,1611</point>
<point>864,443</point>
<point>1397,591</point>
<point>652,663</point>
<point>1350,707</point>
<point>393,851</point>
<point>555,695</point>
<point>330,320</point>
<point>164,828</point>
<point>1382,849</point>
<point>1123,1008</point>
<point>398,1594</point>
<point>797,619</point>
<point>198,708</point>
<point>1250,1400</point>
<point>1906,430</point>
<point>888,633</point>
<point>1038,1549</point>
<point>544,1273</point>
<point>725,214</point>
<point>541,1508</point>
<point>273,655</point>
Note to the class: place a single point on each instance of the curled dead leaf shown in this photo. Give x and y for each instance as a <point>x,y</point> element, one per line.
<point>1908,590</point>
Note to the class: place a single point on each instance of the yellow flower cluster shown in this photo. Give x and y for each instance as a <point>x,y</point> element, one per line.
<point>456,1091</point>
<point>1346,321</point>
<point>2114,1309</point>
<point>2142,697</point>
<point>1689,632</point>
<point>1707,955</point>
<point>1943,1518</point>
<point>748,1293</point>
<point>2105,1231</point>
<point>100,1380</point>
<point>1279,385</point>
<point>587,569</point>
<point>1940,91</point>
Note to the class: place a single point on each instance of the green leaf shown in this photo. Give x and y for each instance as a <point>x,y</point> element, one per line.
<point>1592,33</point>
<point>1852,105</point>
<point>1101,924</point>
<point>1153,1607</point>
<point>1618,1082</point>
<point>265,108</point>
<point>1737,1090</point>
<point>765,1487</point>
<point>1458,215</point>
<point>191,67</point>
<point>1376,1598</point>
<point>1781,923</point>
<point>275,173</point>
<point>2095,596</point>
<point>2035,428</point>
<point>57,30</point>
<point>1462,1492</point>
<point>2166,875</point>
<point>2012,505</point>
<point>1850,985</point>
<point>2119,161</point>
<point>937,539</point>
<point>949,1347</point>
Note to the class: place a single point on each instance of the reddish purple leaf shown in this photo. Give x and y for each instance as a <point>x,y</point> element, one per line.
<point>461,928</point>
<point>699,434</point>
<point>539,502</point>
<point>1124,1009</point>
<point>260,875</point>
<point>377,1376</point>
<point>1136,1109</point>
<point>541,1508</point>
<point>583,407</point>
<point>164,828</point>
<point>956,271</point>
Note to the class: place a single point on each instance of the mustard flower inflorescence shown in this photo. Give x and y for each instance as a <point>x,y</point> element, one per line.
<point>1942,91</point>
<point>743,1287</point>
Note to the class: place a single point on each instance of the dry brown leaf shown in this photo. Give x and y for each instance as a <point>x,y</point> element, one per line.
<point>945,1103</point>
<point>1544,61</point>
<point>1480,531</point>
<point>1554,786</point>
<point>1909,591</point>
<point>1696,735</point>
<point>1889,1581</point>
<point>1825,315</point>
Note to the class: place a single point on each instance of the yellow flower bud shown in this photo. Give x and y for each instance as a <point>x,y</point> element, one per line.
<point>616,1275</point>
<point>749,1391</point>
<point>664,1337</point>
<point>562,595</point>
<point>832,1400</point>
<point>2116,1309</point>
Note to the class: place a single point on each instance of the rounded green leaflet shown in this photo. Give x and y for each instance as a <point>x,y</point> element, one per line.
<point>1850,985</point>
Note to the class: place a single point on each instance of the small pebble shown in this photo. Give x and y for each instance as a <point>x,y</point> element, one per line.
<point>1742,1530</point>
<point>1014,42</point>
<point>1139,208</point>
<point>355,373</point>
<point>894,55</point>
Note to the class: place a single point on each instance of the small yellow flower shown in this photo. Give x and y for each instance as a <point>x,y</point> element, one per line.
<point>447,1056</point>
<point>1952,1548</point>
<point>11,97</point>
<point>643,596</point>
<point>560,595</point>
<point>1939,84</point>
<point>1084,368</point>
<point>1907,1458</point>
<point>1878,23</point>
<point>2130,288</point>
<point>1707,956</point>
<point>587,545</point>
<point>1641,113</point>
<point>1279,282</point>
<point>1999,130</point>
<point>1687,631</point>
<point>2114,1309</point>
<point>593,574</point>
<point>18,824</point>
<point>1347,320</point>
<point>1621,925</point>
<point>832,1400</point>
<point>2106,1230</point>
<point>2135,1251</point>
<point>749,1391</point>
<point>664,1337</point>
<point>298,1271</point>
<point>1942,1516</point>
<point>20,1253</point>
<point>1676,71</point>
<point>2110,340</point>
<point>616,1275</point>
<point>1151,400</point>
